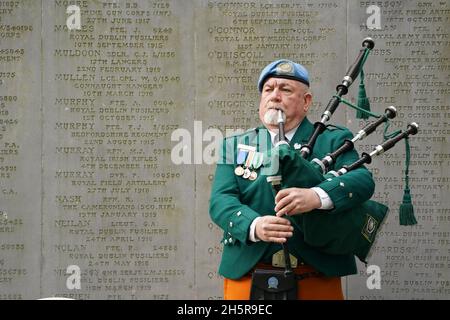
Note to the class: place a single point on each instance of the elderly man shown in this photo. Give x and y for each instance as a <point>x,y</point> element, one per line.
<point>254,221</point>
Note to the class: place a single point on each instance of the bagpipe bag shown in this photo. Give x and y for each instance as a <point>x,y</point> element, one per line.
<point>349,232</point>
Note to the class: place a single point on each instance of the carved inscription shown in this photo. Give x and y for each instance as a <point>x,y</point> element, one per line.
<point>86,118</point>
<point>111,115</point>
<point>19,151</point>
<point>410,71</point>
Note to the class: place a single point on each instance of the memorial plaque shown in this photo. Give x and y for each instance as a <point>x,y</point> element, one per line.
<point>115,206</point>
<point>111,113</point>
<point>409,68</point>
<point>20,149</point>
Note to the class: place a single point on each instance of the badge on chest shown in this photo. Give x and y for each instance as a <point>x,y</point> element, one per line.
<point>248,161</point>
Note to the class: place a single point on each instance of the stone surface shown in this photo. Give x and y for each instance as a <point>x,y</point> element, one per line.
<point>107,137</point>
<point>20,150</point>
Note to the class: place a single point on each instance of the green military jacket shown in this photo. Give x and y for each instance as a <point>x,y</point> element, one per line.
<point>235,202</point>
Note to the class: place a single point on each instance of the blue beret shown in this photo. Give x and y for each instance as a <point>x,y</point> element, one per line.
<point>283,69</point>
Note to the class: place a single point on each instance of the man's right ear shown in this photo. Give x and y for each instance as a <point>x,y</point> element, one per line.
<point>308,100</point>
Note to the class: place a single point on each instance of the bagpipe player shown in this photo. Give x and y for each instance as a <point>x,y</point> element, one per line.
<point>255,221</point>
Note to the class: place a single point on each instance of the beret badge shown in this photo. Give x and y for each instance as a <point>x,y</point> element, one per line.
<point>285,67</point>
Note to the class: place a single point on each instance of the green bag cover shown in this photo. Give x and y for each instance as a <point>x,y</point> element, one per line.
<point>294,170</point>
<point>353,231</point>
<point>350,232</point>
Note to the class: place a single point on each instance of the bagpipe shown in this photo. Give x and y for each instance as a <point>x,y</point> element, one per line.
<point>352,231</point>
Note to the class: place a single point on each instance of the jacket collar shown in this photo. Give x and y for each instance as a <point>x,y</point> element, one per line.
<point>303,132</point>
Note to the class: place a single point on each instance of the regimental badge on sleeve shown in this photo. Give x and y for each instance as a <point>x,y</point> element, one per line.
<point>369,228</point>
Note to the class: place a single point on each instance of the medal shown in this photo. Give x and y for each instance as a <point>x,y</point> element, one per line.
<point>257,160</point>
<point>248,164</point>
<point>250,157</point>
<point>243,154</point>
<point>239,171</point>
<point>253,176</point>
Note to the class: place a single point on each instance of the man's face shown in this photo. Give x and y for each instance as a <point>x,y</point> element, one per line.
<point>291,96</point>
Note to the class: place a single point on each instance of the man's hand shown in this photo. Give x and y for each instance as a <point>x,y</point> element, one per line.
<point>292,201</point>
<point>273,229</point>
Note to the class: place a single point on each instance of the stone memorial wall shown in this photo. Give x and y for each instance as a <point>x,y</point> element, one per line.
<point>108,132</point>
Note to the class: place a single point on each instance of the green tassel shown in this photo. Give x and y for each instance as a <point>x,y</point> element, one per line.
<point>407,217</point>
<point>363,101</point>
<point>406,213</point>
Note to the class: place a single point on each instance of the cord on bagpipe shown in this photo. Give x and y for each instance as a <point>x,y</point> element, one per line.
<point>406,210</point>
